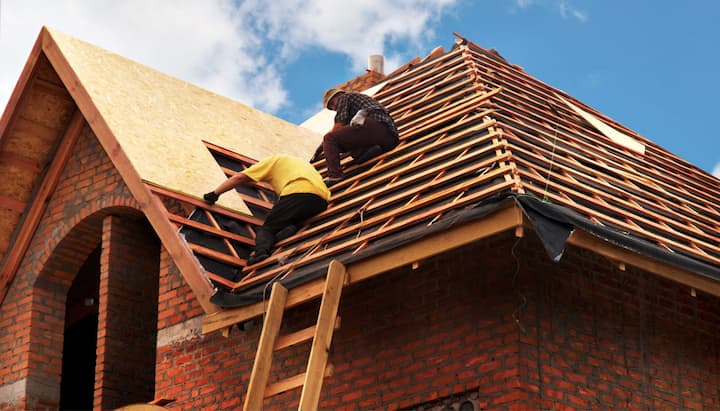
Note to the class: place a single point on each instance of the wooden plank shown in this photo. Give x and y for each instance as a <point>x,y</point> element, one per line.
<point>225,318</point>
<point>20,161</point>
<point>293,382</point>
<point>289,340</point>
<point>202,204</point>
<point>216,255</point>
<point>210,230</point>
<point>579,169</point>
<point>587,241</point>
<point>220,280</point>
<point>12,204</point>
<point>11,108</point>
<point>310,396</point>
<point>263,357</point>
<point>500,221</point>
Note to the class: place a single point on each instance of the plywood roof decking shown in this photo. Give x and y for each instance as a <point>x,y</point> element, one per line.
<point>160,122</point>
<point>473,126</point>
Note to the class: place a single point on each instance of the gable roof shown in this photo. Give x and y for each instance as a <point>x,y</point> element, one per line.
<point>487,146</point>
<point>153,127</point>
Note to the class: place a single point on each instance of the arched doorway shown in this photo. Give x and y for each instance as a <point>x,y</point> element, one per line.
<point>77,382</point>
<point>96,301</point>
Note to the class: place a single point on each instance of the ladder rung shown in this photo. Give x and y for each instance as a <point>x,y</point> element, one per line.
<point>285,341</point>
<point>293,382</point>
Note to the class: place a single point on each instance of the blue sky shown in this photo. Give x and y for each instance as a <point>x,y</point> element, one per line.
<point>650,65</point>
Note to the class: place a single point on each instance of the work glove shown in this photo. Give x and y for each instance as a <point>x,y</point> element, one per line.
<point>358,119</point>
<point>211,197</point>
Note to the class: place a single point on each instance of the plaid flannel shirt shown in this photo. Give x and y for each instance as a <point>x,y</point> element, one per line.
<point>349,103</point>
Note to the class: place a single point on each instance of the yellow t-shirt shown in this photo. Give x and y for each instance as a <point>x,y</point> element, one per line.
<point>288,175</point>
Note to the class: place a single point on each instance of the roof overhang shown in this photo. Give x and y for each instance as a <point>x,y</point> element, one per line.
<point>556,226</point>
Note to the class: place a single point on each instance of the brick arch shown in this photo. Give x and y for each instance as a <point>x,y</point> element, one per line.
<point>64,253</point>
<point>87,219</point>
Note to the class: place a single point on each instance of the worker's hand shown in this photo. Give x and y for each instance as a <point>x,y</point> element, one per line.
<point>211,197</point>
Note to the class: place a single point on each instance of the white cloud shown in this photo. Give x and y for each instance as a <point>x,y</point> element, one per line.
<point>716,170</point>
<point>356,29</point>
<point>565,7</point>
<point>236,49</point>
<point>524,3</point>
<point>567,10</point>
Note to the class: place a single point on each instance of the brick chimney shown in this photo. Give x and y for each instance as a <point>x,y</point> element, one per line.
<point>376,63</point>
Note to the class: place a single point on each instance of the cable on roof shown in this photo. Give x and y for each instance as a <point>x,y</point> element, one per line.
<point>552,156</point>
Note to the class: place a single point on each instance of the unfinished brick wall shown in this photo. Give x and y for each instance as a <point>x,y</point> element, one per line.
<point>32,314</point>
<point>125,369</point>
<point>599,337</point>
<point>496,319</point>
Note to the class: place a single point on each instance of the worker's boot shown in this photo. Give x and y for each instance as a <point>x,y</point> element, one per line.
<point>264,241</point>
<point>364,155</point>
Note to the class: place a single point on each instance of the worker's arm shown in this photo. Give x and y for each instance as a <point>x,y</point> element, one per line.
<point>319,150</point>
<point>232,182</point>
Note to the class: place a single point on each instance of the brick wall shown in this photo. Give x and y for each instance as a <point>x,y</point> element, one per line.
<point>125,369</point>
<point>496,319</point>
<point>32,314</point>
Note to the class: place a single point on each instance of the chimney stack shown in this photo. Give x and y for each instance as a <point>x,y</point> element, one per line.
<point>376,63</point>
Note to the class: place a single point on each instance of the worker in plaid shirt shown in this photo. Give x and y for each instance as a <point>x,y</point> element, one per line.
<point>363,128</point>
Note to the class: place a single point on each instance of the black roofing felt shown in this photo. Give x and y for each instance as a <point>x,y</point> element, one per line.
<point>552,223</point>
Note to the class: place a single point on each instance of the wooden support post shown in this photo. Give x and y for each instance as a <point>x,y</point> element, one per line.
<point>319,352</point>
<point>263,357</point>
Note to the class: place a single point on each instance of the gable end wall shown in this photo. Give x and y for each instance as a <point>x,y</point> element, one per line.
<point>32,314</point>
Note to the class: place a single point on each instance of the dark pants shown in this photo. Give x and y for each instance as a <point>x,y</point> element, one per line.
<point>350,139</point>
<point>291,209</point>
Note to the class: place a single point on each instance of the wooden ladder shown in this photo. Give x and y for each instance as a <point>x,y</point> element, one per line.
<point>321,333</point>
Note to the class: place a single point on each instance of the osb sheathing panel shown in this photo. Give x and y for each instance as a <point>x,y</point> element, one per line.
<point>8,218</point>
<point>17,183</point>
<point>45,71</point>
<point>160,122</point>
<point>46,109</point>
<point>41,119</point>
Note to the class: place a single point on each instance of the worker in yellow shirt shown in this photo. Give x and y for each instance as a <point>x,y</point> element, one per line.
<point>301,194</point>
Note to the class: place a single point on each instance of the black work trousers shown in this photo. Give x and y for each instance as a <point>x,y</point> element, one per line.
<point>291,209</point>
